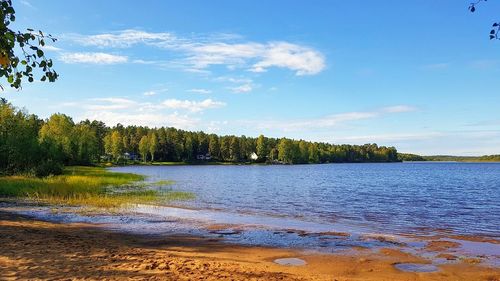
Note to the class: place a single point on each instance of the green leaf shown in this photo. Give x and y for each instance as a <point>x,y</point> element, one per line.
<point>10,79</point>
<point>39,53</point>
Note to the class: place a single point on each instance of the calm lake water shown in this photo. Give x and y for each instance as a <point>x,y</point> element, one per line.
<point>387,198</point>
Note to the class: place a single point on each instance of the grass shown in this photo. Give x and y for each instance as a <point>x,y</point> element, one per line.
<point>162,183</point>
<point>88,186</point>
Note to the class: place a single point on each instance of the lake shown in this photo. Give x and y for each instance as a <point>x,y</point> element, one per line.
<point>410,197</point>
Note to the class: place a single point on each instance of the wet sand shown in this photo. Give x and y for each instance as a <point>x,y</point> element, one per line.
<point>33,249</point>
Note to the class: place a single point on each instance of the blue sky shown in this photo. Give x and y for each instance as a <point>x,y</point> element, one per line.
<point>418,75</point>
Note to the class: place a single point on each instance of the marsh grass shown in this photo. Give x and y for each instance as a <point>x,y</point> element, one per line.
<point>88,186</point>
<point>162,183</point>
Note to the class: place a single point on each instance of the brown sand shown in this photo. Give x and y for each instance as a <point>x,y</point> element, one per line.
<point>35,250</point>
<point>438,245</point>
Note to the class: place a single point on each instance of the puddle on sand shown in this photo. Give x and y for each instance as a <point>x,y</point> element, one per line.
<point>290,261</point>
<point>416,267</point>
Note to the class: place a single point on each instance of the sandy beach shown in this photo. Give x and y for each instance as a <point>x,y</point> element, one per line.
<point>38,250</point>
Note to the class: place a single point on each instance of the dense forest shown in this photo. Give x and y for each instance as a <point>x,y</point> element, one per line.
<point>30,144</point>
<point>410,157</point>
<point>484,158</point>
<point>415,157</point>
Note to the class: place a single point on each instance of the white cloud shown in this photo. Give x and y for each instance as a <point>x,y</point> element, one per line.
<point>258,57</point>
<point>436,66</point>
<point>115,103</point>
<point>388,137</point>
<point>123,39</point>
<point>193,106</point>
<point>232,79</point>
<point>143,119</point>
<point>198,53</point>
<point>92,58</point>
<point>399,108</point>
<point>485,64</point>
<point>110,104</point>
<point>467,143</point>
<point>305,61</point>
<point>149,93</point>
<point>154,92</point>
<point>200,91</point>
<point>27,4</point>
<point>327,122</point>
<point>245,84</point>
<point>51,48</point>
<point>171,112</point>
<point>245,88</point>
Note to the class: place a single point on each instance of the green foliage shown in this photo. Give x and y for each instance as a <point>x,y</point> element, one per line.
<point>48,168</point>
<point>489,158</point>
<point>87,144</point>
<point>30,43</point>
<point>33,146</point>
<point>214,146</point>
<point>261,148</point>
<point>485,158</point>
<point>20,150</point>
<point>116,144</point>
<point>449,158</point>
<point>153,145</point>
<point>234,149</point>
<point>410,157</point>
<point>29,145</point>
<point>57,137</point>
<point>285,151</point>
<point>88,186</point>
<point>144,147</point>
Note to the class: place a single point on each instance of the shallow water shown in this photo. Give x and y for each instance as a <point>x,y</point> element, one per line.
<point>416,267</point>
<point>421,198</point>
<point>290,261</point>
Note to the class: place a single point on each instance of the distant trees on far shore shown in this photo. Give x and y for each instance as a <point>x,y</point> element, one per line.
<point>29,144</point>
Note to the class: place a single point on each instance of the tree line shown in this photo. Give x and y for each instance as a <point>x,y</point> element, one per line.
<point>30,144</point>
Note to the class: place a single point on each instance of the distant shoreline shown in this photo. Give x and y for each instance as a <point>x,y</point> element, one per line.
<point>282,164</point>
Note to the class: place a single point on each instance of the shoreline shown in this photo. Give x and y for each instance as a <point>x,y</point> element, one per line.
<point>217,163</point>
<point>33,248</point>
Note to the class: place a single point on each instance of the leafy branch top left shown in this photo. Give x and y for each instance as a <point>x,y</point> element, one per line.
<point>29,44</point>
